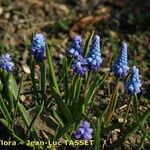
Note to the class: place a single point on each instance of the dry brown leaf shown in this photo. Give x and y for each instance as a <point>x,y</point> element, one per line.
<point>118,3</point>
<point>88,20</point>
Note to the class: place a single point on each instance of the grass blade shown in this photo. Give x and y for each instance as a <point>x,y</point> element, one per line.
<point>135,102</point>
<point>43,76</point>
<point>32,68</point>
<point>142,141</point>
<point>26,118</point>
<point>132,129</point>
<point>64,130</point>
<point>87,44</point>
<point>5,111</point>
<point>39,111</point>
<point>65,79</point>
<point>53,79</point>
<point>93,87</point>
<point>112,43</point>
<point>62,105</point>
<point>72,90</point>
<point>6,124</point>
<point>17,101</point>
<point>97,133</point>
<point>112,103</point>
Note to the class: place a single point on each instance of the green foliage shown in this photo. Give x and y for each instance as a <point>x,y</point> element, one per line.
<point>73,98</point>
<point>60,26</point>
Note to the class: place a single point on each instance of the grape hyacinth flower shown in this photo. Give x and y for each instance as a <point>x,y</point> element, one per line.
<point>120,67</point>
<point>94,57</point>
<point>38,47</point>
<point>79,66</point>
<point>6,62</point>
<point>134,83</point>
<point>84,131</point>
<point>75,48</point>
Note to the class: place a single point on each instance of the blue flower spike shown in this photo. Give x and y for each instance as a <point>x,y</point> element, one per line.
<point>94,59</point>
<point>120,67</point>
<point>75,48</point>
<point>134,83</point>
<point>6,62</point>
<point>84,131</point>
<point>79,66</point>
<point>38,47</point>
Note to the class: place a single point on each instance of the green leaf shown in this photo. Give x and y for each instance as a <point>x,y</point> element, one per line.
<point>53,78</point>
<point>87,44</point>
<point>60,26</point>
<point>78,91</point>
<point>43,76</point>
<point>132,129</point>
<point>24,114</point>
<point>72,90</point>
<point>6,124</point>
<point>35,96</point>
<point>77,102</point>
<point>37,114</point>
<point>17,101</point>
<point>140,146</point>
<point>112,43</point>
<point>97,132</point>
<point>5,111</point>
<point>93,87</point>
<point>26,118</point>
<point>58,118</point>
<point>62,105</point>
<point>64,130</point>
<point>13,86</point>
<point>66,136</point>
<point>135,107</point>
<point>112,103</point>
<point>10,89</point>
<point>1,85</point>
<point>65,78</point>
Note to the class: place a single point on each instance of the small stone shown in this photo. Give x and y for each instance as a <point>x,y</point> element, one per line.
<point>121,120</point>
<point>26,69</point>
<point>22,98</point>
<point>7,15</point>
<point>1,10</point>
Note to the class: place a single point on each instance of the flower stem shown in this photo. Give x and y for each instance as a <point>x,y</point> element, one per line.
<point>88,81</point>
<point>43,79</point>
<point>79,84</point>
<point>127,112</point>
<point>43,76</point>
<point>136,113</point>
<point>33,79</point>
<point>17,101</point>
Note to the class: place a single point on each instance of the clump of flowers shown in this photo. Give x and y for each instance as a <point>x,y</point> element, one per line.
<point>120,67</point>
<point>38,47</point>
<point>79,66</point>
<point>75,48</point>
<point>74,96</point>
<point>94,59</point>
<point>84,131</point>
<point>6,62</point>
<point>134,83</point>
<point>91,62</point>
